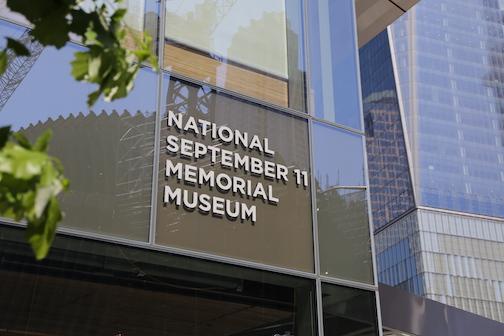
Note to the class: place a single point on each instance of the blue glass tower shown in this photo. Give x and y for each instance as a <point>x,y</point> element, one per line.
<point>433,93</point>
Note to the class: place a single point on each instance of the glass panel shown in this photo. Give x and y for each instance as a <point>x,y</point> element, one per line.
<point>453,111</point>
<point>338,157</point>
<point>348,311</point>
<point>333,62</point>
<point>141,17</point>
<point>251,47</point>
<point>345,246</point>
<point>390,183</point>
<point>276,226</point>
<point>107,152</point>
<point>102,289</point>
<point>344,240</point>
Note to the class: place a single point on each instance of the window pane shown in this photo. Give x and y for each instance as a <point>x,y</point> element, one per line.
<point>344,240</point>
<point>338,156</point>
<point>141,17</point>
<point>278,226</point>
<point>251,47</point>
<point>345,246</point>
<point>103,289</point>
<point>106,152</point>
<point>348,311</point>
<point>333,62</point>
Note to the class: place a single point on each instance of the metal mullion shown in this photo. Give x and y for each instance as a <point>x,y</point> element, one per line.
<point>359,187</point>
<point>335,124</point>
<point>366,177</point>
<point>157,127</point>
<point>320,308</point>
<point>310,109</point>
<point>252,100</point>
<point>348,283</point>
<point>316,249</point>
<point>69,232</point>
<point>460,213</point>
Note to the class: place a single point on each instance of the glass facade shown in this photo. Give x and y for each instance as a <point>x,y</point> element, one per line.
<point>342,210</point>
<point>348,311</point>
<point>449,68</point>
<point>454,259</point>
<point>142,17</point>
<point>107,151</point>
<point>253,48</point>
<point>399,255</point>
<point>285,247</point>
<point>435,154</point>
<point>464,261</point>
<point>88,287</point>
<point>286,223</point>
<point>334,80</point>
<point>389,171</point>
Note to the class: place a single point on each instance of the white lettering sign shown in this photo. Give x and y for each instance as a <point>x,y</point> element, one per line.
<point>191,175</point>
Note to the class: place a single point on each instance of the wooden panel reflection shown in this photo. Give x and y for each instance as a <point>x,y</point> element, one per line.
<point>241,79</point>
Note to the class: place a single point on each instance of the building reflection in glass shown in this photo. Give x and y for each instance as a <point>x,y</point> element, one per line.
<point>107,152</point>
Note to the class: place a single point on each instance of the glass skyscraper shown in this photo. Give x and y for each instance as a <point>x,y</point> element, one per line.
<point>157,241</point>
<point>433,94</point>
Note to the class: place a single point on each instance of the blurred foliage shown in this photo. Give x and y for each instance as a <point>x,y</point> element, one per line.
<point>30,179</point>
<point>106,62</point>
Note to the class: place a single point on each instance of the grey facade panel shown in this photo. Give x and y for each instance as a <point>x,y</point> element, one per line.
<point>415,315</point>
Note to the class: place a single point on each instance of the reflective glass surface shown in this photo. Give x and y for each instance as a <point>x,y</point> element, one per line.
<point>107,151</point>
<point>455,259</point>
<point>344,241</point>
<point>390,182</point>
<point>91,288</point>
<point>232,64</point>
<point>399,255</point>
<point>333,63</point>
<point>282,232</point>
<point>250,47</point>
<point>345,247</point>
<point>338,156</point>
<point>141,17</point>
<point>464,261</point>
<point>453,102</point>
<point>348,311</point>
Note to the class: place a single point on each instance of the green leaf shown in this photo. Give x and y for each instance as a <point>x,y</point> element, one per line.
<point>18,47</point>
<point>80,22</point>
<point>80,65</point>
<point>40,234</point>
<point>30,181</point>
<point>93,97</point>
<point>94,67</point>
<point>20,162</point>
<point>49,19</point>
<point>4,135</point>
<point>107,62</point>
<point>118,15</point>
<point>3,61</point>
<point>42,142</point>
<point>91,36</point>
<point>22,140</point>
